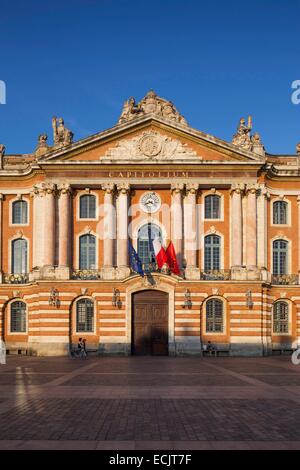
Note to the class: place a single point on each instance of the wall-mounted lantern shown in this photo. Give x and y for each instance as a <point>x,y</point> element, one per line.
<point>116,298</point>
<point>187,300</point>
<point>249,301</point>
<point>54,298</point>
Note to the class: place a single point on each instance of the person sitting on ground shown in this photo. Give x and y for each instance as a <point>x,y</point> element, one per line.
<point>211,348</point>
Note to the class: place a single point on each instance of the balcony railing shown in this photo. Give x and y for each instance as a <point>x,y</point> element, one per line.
<point>285,279</point>
<point>16,278</point>
<point>216,275</point>
<point>86,274</point>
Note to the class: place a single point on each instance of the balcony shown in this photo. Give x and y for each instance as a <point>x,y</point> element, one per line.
<point>216,275</point>
<point>285,280</point>
<point>16,278</point>
<point>86,275</point>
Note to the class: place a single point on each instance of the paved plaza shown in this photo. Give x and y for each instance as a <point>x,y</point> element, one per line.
<point>149,403</point>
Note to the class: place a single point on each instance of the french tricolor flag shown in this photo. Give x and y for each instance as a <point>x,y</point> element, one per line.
<point>160,253</point>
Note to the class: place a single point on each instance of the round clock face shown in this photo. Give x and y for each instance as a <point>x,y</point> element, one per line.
<point>150,202</point>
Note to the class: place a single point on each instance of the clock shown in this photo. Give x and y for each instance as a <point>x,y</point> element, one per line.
<point>150,202</point>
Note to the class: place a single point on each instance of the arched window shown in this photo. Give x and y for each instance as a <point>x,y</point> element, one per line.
<point>19,256</point>
<point>87,206</point>
<point>212,206</point>
<point>87,252</point>
<point>280,212</point>
<point>280,257</point>
<point>19,212</point>
<point>212,244</point>
<point>85,316</point>
<point>214,316</point>
<point>146,234</point>
<point>18,317</point>
<point>280,317</point>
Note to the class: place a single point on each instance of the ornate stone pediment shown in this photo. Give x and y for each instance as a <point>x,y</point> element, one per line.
<point>151,146</point>
<point>151,104</point>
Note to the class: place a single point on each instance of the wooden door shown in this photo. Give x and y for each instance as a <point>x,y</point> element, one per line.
<point>150,323</point>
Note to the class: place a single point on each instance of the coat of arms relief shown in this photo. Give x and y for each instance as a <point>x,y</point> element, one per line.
<point>150,146</point>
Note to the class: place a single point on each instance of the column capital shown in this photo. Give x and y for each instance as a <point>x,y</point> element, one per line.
<point>237,188</point>
<point>252,188</point>
<point>177,188</point>
<point>108,188</point>
<point>192,188</point>
<point>123,188</point>
<point>264,191</point>
<point>41,189</point>
<point>64,188</point>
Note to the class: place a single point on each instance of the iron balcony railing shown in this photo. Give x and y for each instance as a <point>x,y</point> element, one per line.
<point>216,275</point>
<point>86,274</point>
<point>285,279</point>
<point>16,278</point>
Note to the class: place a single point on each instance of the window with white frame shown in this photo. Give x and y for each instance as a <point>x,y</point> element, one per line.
<point>85,316</point>
<point>280,213</point>
<point>212,248</point>
<point>20,212</point>
<point>18,317</point>
<point>214,316</point>
<point>212,205</point>
<point>87,206</point>
<point>146,234</point>
<point>87,252</point>
<point>280,317</point>
<point>19,256</point>
<point>280,257</point>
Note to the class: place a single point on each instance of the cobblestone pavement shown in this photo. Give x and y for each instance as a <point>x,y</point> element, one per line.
<point>150,403</point>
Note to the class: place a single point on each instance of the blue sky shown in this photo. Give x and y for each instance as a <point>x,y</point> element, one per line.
<point>216,60</point>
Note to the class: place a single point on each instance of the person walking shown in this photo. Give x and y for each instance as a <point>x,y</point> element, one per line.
<point>2,352</point>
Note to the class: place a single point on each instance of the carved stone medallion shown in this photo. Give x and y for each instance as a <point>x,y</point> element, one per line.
<point>150,145</point>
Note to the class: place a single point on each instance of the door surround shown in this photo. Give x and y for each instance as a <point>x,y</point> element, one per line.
<point>164,287</point>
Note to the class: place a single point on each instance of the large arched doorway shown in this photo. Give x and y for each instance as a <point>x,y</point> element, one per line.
<point>150,313</point>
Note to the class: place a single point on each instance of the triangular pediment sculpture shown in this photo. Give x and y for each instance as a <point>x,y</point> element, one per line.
<point>150,146</point>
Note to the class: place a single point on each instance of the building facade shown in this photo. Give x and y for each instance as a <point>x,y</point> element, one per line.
<point>69,210</point>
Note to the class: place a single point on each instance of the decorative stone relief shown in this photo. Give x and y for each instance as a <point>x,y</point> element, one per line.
<point>42,146</point>
<point>151,104</point>
<point>150,146</point>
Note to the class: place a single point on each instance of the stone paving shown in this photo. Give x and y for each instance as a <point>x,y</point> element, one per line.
<point>150,403</point>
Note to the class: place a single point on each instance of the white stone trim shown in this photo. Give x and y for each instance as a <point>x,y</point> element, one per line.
<point>26,199</point>
<point>77,202</point>
<point>289,212</point>
<point>77,245</point>
<point>213,192</point>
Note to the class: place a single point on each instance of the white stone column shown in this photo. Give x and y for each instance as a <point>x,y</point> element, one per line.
<point>262,231</point>
<point>38,226</point>
<point>251,236</point>
<point>109,231</point>
<point>64,229</point>
<point>123,270</point>
<point>1,238</point>
<point>49,224</point>
<point>177,221</point>
<point>190,231</point>
<point>236,226</point>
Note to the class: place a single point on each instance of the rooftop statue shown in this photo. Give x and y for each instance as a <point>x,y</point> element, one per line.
<point>2,153</point>
<point>42,146</point>
<point>243,138</point>
<point>61,135</point>
<point>298,148</point>
<point>150,104</point>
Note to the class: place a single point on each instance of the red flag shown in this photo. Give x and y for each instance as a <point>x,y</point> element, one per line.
<point>160,254</point>
<point>172,260</point>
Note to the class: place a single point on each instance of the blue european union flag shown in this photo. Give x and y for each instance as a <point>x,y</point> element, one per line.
<point>134,260</point>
